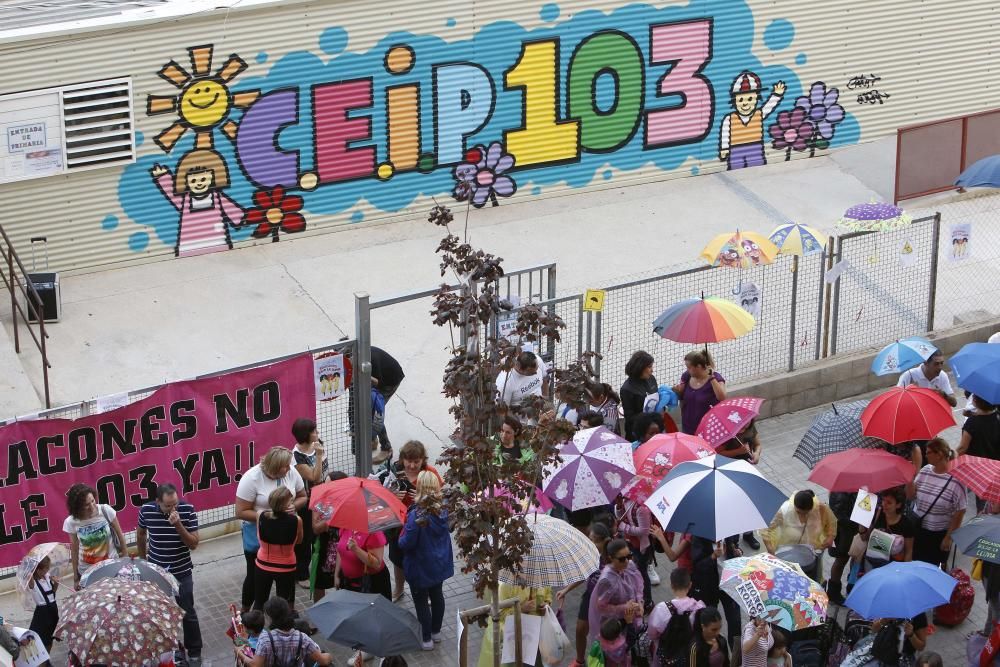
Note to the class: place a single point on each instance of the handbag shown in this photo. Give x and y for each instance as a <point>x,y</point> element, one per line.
<point>111,529</point>
<point>918,519</point>
<point>882,546</point>
<point>976,571</point>
<point>858,547</point>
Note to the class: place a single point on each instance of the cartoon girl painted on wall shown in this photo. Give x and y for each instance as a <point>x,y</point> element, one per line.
<point>196,192</point>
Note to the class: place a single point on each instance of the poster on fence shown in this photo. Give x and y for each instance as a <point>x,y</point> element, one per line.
<point>330,375</point>
<point>199,435</point>
<point>961,241</point>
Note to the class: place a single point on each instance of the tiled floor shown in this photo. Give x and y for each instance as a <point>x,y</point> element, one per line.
<point>220,568</point>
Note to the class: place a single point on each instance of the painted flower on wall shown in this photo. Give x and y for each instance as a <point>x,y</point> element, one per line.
<point>482,177</point>
<point>792,131</point>
<point>822,109</point>
<point>275,211</point>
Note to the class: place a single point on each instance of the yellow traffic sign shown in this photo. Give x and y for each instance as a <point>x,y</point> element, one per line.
<point>593,300</point>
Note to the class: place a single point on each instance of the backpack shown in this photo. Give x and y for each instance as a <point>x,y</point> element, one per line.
<point>673,649</point>
<point>886,646</point>
<point>806,653</point>
<point>378,411</point>
<point>296,660</point>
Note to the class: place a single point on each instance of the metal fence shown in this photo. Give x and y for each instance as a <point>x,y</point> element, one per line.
<point>332,423</point>
<point>888,288</point>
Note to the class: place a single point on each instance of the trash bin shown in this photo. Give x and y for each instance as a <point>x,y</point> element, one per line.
<point>803,555</point>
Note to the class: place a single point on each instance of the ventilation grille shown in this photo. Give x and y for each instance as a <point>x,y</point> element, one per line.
<point>97,118</point>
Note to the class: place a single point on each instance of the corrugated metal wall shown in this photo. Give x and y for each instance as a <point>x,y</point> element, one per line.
<point>934,58</point>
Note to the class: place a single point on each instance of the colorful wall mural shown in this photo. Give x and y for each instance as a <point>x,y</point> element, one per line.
<point>332,131</point>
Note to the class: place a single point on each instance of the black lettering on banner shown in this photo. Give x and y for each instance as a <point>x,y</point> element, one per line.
<point>16,533</point>
<point>151,435</point>
<point>81,457</point>
<point>266,402</point>
<point>225,410</point>
<point>213,467</point>
<point>18,464</point>
<point>113,483</point>
<point>145,475</point>
<point>34,523</point>
<point>44,446</point>
<point>111,437</point>
<point>188,422</point>
<point>185,467</point>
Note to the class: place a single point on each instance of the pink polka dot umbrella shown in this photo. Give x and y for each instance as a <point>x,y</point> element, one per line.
<point>727,418</point>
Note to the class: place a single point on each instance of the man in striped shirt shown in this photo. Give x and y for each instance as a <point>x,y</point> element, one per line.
<point>166,535</point>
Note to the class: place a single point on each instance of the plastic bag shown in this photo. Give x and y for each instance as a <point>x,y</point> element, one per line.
<point>552,641</point>
<point>595,656</point>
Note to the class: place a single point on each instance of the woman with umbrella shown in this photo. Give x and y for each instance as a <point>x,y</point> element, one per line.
<point>699,389</point>
<point>600,535</point>
<point>639,388</point>
<point>939,504</point>
<point>981,435</point>
<point>93,529</point>
<point>427,556</point>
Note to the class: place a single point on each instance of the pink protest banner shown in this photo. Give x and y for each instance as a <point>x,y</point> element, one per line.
<point>199,435</point>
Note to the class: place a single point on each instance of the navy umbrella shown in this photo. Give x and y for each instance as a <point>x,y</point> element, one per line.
<point>983,174</point>
<point>980,538</point>
<point>834,431</point>
<point>366,622</point>
<point>715,497</point>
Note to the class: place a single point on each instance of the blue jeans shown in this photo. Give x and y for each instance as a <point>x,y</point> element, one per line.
<point>192,631</point>
<point>430,612</point>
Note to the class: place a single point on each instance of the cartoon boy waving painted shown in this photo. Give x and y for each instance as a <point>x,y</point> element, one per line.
<point>741,139</point>
<point>204,209</point>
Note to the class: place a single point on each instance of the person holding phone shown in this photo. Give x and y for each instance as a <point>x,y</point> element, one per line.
<point>402,481</point>
<point>757,641</point>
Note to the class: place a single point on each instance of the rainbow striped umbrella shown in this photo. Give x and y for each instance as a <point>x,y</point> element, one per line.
<point>704,320</point>
<point>739,250</point>
<point>794,239</point>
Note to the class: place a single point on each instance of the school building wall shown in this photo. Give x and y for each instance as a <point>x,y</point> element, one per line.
<point>329,114</point>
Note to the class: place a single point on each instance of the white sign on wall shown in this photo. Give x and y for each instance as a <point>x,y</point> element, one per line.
<point>31,146</point>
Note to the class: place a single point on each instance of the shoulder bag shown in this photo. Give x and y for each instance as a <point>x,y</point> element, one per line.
<point>915,517</point>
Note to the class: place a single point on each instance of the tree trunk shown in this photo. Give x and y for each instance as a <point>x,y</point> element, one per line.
<point>497,630</point>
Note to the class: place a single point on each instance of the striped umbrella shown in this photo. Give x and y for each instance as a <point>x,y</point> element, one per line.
<point>560,555</point>
<point>704,320</point>
<point>833,431</point>
<point>794,239</point>
<point>596,464</point>
<point>980,474</point>
<point>715,497</point>
<point>739,250</point>
<point>904,354</point>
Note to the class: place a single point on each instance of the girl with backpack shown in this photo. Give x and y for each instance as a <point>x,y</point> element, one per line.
<point>282,645</point>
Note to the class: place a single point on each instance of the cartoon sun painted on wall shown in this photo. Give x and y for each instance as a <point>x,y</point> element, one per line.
<point>204,101</point>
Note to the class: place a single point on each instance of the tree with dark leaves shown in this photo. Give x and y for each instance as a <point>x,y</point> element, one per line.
<point>484,492</point>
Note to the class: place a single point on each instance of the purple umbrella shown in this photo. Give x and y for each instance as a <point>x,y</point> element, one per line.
<point>874,217</point>
<point>596,464</point>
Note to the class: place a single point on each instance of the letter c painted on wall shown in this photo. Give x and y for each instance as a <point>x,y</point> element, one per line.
<point>264,162</point>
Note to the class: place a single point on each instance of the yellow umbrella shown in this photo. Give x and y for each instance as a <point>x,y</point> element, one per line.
<point>739,250</point>
<point>801,240</point>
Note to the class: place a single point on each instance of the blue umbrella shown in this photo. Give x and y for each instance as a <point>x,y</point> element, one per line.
<point>977,369</point>
<point>715,497</point>
<point>900,590</point>
<point>904,354</point>
<point>982,174</point>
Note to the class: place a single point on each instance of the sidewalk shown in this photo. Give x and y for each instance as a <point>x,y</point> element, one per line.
<point>219,569</point>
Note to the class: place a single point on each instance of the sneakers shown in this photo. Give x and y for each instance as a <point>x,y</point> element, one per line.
<point>654,577</point>
<point>303,584</point>
<point>427,646</point>
<point>436,637</point>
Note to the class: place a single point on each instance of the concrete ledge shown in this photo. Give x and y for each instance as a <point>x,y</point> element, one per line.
<point>846,375</point>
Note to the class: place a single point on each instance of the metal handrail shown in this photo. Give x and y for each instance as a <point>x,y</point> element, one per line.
<point>31,296</point>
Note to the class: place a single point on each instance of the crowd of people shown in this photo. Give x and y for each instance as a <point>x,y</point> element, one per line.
<point>287,544</point>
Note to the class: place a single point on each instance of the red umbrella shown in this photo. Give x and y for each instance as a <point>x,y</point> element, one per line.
<point>906,413</point>
<point>655,458</point>
<point>727,418</point>
<point>856,469</point>
<point>361,505</point>
<point>980,474</point>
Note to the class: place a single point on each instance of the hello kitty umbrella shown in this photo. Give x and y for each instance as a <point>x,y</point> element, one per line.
<point>596,464</point>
